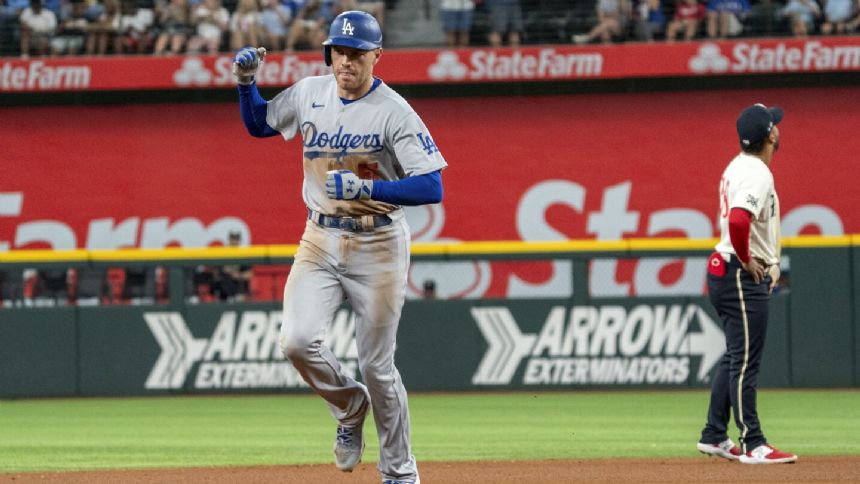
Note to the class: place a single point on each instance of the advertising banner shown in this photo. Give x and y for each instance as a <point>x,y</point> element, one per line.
<point>537,168</point>
<point>456,345</point>
<point>429,66</point>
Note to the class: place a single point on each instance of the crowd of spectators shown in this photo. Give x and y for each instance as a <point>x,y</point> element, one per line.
<point>127,285</point>
<point>166,27</point>
<point>650,20</point>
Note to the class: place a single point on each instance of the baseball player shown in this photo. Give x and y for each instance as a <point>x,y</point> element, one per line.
<point>366,154</point>
<point>741,275</point>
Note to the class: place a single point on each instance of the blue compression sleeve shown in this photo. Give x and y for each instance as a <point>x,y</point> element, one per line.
<point>415,190</point>
<point>253,108</point>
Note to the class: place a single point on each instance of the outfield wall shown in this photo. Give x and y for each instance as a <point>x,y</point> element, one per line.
<point>602,167</point>
<point>444,345</point>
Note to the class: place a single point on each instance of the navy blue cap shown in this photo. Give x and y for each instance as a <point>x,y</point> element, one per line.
<point>756,121</point>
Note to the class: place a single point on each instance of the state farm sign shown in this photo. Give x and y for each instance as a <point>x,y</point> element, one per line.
<point>752,57</point>
<point>546,63</point>
<point>425,66</point>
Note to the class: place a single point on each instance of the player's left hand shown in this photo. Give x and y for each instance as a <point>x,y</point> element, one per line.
<point>346,185</point>
<point>774,273</point>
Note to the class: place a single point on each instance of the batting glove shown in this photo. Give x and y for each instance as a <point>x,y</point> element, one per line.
<point>346,185</point>
<point>246,62</point>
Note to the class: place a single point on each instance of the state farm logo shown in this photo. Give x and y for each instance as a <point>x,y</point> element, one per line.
<point>751,57</point>
<point>599,345</point>
<point>286,70</point>
<point>545,63</point>
<point>192,73</point>
<point>447,66</point>
<point>709,59</point>
<point>38,75</point>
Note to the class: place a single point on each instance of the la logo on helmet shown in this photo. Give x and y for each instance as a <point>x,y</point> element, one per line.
<point>347,27</point>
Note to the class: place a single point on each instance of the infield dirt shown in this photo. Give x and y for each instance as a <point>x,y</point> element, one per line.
<point>807,469</point>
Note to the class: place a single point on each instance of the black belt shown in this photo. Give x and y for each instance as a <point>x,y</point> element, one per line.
<point>760,261</point>
<point>362,223</point>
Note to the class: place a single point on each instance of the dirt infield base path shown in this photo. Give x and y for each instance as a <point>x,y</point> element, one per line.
<point>807,469</point>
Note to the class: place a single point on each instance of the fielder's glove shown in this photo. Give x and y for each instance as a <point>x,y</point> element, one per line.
<point>346,185</point>
<point>246,62</point>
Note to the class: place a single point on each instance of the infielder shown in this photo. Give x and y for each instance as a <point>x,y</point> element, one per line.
<point>366,154</point>
<point>741,275</point>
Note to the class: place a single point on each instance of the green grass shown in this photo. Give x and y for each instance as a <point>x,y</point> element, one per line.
<point>68,434</point>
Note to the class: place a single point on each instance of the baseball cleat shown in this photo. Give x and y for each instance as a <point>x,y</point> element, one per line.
<point>765,454</point>
<point>348,447</point>
<point>725,449</point>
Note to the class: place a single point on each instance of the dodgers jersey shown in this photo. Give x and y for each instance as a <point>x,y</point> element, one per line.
<point>378,136</point>
<point>747,183</point>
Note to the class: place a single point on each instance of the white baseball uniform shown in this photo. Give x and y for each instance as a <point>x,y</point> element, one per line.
<point>378,136</point>
<point>748,183</point>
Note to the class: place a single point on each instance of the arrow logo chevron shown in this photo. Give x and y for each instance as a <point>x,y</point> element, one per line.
<point>179,350</point>
<point>710,343</point>
<point>599,344</point>
<point>507,345</point>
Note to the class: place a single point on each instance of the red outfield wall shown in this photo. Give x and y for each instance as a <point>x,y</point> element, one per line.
<point>521,168</point>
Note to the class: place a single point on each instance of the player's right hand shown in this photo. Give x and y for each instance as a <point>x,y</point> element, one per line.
<point>246,62</point>
<point>755,269</point>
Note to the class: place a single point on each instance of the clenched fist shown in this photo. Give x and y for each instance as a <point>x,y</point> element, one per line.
<point>346,185</point>
<point>246,62</point>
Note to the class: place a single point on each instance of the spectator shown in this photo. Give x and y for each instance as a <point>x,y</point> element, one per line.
<point>309,26</point>
<point>801,15</point>
<point>212,21</point>
<point>506,16</point>
<point>37,28</point>
<point>457,21</point>
<point>837,15</point>
<point>72,29</point>
<point>650,19</point>
<point>724,17</point>
<point>852,24</point>
<point>373,7</point>
<point>611,21</point>
<point>275,19</point>
<point>103,28</point>
<point>49,287</point>
<point>688,17</point>
<point>175,27</point>
<point>162,285</point>
<point>133,28</point>
<point>245,25</point>
<point>232,282</point>
<point>10,11</point>
<point>201,281</point>
<point>429,289</point>
<point>333,8</point>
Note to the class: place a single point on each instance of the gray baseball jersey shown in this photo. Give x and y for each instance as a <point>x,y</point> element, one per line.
<point>378,136</point>
<point>748,183</point>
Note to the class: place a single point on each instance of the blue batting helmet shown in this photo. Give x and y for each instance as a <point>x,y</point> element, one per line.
<point>355,29</point>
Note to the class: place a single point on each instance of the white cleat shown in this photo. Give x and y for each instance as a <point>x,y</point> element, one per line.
<point>725,449</point>
<point>765,454</point>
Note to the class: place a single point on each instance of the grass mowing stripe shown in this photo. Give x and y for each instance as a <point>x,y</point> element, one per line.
<point>56,434</point>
